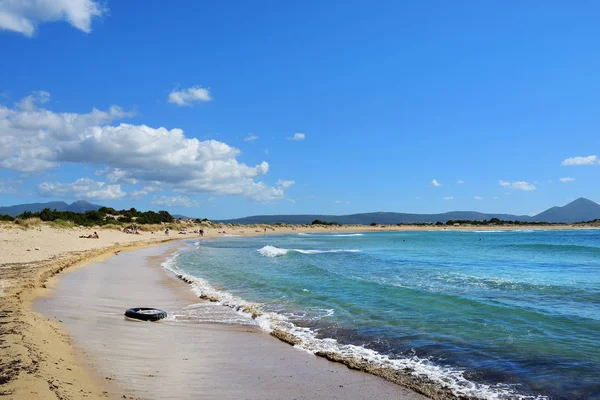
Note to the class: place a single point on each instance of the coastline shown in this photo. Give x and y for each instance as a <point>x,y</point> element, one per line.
<point>190,358</point>
<point>36,356</point>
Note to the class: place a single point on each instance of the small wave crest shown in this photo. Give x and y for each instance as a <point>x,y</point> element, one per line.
<point>272,251</point>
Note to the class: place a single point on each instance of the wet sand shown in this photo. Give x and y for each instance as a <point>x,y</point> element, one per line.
<point>182,358</point>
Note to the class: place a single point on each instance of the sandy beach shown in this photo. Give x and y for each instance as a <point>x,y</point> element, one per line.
<point>38,358</point>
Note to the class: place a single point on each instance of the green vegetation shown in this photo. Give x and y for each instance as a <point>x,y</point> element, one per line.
<point>6,218</point>
<point>493,221</point>
<point>319,222</point>
<point>103,216</point>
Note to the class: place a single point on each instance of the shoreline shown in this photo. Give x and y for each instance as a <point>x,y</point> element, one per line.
<point>34,257</point>
<point>37,359</point>
<point>188,356</point>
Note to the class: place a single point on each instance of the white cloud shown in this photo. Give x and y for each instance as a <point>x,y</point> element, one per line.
<point>83,188</point>
<point>250,138</point>
<point>37,139</point>
<point>23,16</point>
<point>285,184</point>
<point>137,194</point>
<point>567,179</point>
<point>519,185</point>
<point>187,96</point>
<point>478,197</point>
<point>435,183</point>
<point>448,198</point>
<point>459,182</point>
<point>341,202</point>
<point>589,160</point>
<point>9,186</point>
<point>298,136</point>
<point>174,201</point>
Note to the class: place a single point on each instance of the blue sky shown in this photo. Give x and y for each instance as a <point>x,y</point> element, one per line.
<point>395,106</point>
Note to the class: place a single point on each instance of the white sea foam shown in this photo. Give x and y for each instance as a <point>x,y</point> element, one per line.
<point>272,251</point>
<point>444,376</point>
<point>326,251</point>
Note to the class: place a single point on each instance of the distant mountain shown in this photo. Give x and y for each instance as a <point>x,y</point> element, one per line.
<point>378,217</point>
<point>82,206</point>
<point>179,216</point>
<point>77,206</point>
<point>577,211</point>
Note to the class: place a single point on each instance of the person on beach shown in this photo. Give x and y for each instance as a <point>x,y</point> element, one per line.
<point>94,236</point>
<point>201,232</point>
<point>167,231</point>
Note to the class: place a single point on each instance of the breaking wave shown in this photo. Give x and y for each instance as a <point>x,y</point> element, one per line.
<point>424,374</point>
<point>272,251</point>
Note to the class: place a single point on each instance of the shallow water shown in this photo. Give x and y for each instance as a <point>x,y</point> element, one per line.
<point>489,314</point>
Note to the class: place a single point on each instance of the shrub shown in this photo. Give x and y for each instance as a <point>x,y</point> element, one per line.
<point>59,223</point>
<point>4,217</point>
<point>28,222</point>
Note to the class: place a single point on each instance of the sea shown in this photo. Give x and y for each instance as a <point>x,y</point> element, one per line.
<point>482,314</point>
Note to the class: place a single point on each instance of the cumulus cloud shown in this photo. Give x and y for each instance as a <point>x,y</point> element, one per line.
<point>459,182</point>
<point>83,188</point>
<point>448,198</point>
<point>298,136</point>
<point>478,197</point>
<point>188,96</point>
<point>589,160</point>
<point>34,139</point>
<point>285,184</point>
<point>567,179</point>
<point>137,194</point>
<point>435,183</point>
<point>174,201</point>
<point>250,138</point>
<point>519,185</point>
<point>9,186</point>
<point>24,16</point>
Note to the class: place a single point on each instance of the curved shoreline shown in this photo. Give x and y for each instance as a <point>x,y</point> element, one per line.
<point>35,354</point>
<point>38,360</point>
<point>189,356</point>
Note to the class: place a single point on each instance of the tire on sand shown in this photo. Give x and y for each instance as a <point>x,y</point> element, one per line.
<point>145,313</point>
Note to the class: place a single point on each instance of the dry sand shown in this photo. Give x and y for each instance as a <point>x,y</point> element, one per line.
<point>36,357</point>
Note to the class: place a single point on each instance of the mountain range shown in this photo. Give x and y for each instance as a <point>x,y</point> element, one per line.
<point>579,210</point>
<point>76,206</point>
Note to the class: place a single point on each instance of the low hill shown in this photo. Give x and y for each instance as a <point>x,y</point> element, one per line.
<point>77,206</point>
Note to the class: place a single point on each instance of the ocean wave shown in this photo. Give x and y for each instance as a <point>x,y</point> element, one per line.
<point>272,251</point>
<point>415,368</point>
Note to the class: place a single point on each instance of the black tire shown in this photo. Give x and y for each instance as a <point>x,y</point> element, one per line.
<point>145,313</point>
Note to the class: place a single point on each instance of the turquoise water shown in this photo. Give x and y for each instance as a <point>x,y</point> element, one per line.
<point>489,314</point>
